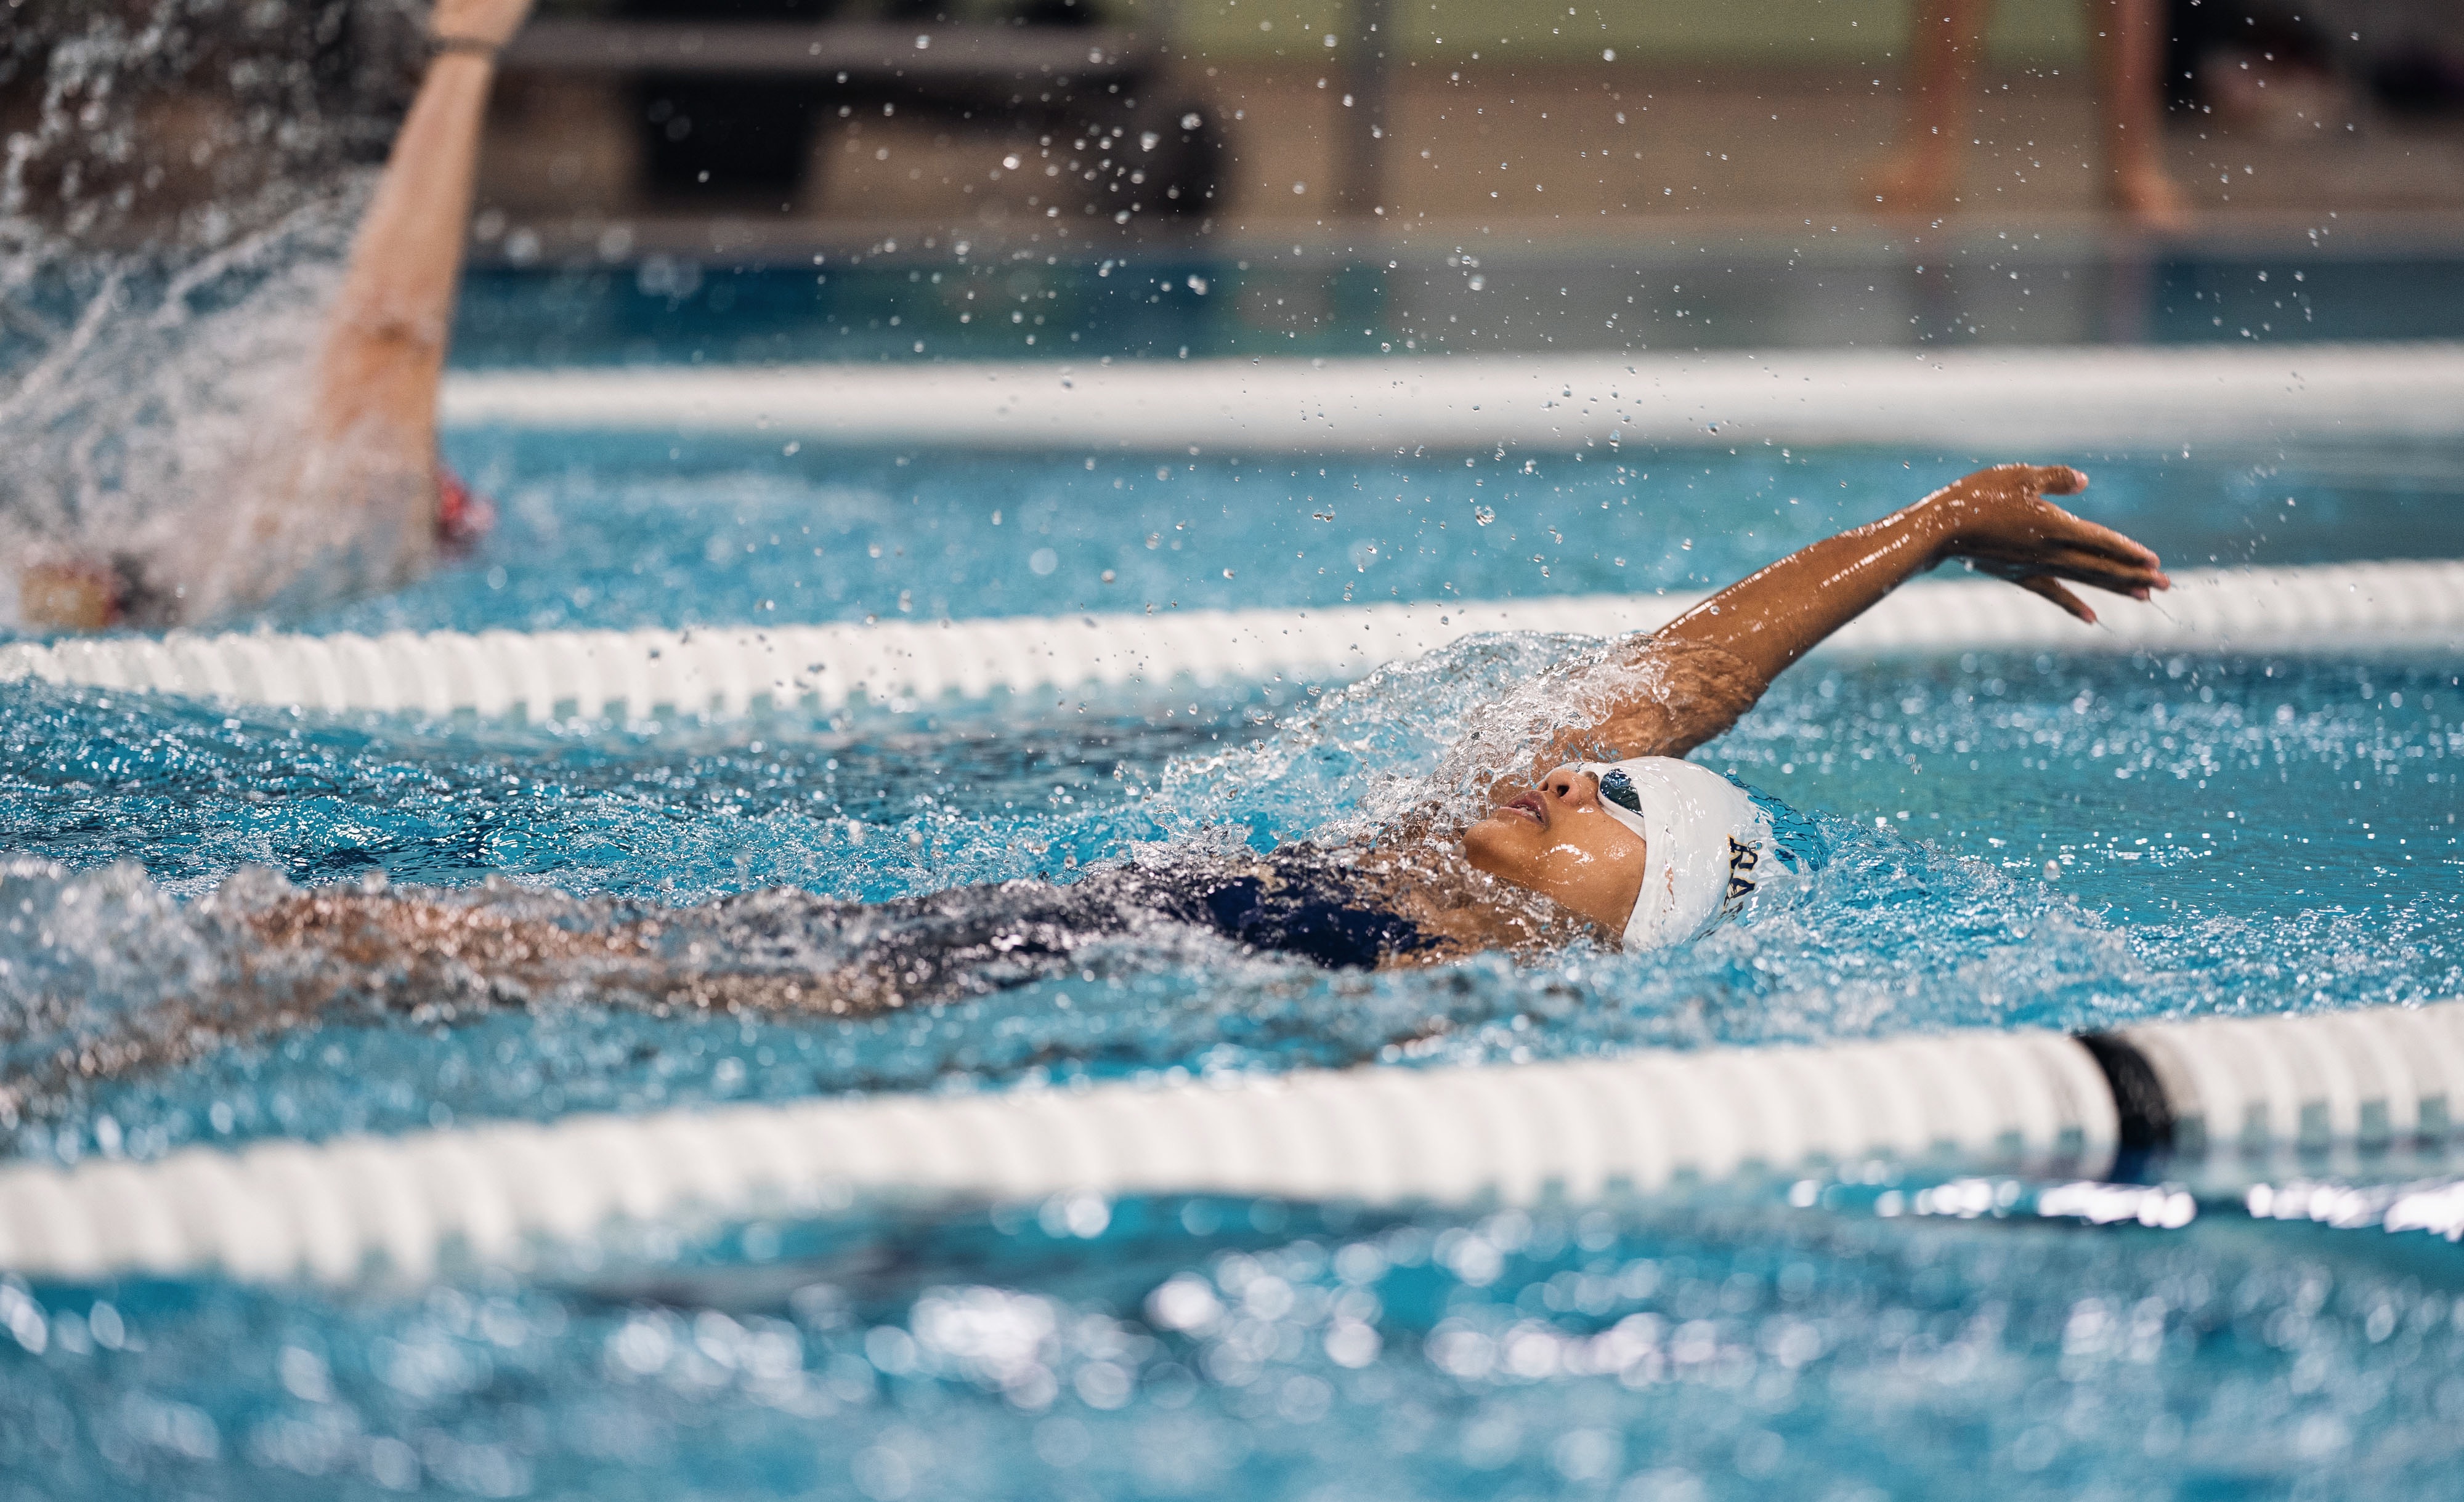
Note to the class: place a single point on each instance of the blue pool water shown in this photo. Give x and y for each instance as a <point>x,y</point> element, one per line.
<point>2065,840</point>
<point>615,529</point>
<point>948,299</point>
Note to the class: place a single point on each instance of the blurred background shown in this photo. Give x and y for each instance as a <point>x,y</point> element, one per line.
<point>830,179</point>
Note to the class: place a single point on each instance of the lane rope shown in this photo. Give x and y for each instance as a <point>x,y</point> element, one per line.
<point>731,671</point>
<point>410,1208</point>
<point>2004,402</point>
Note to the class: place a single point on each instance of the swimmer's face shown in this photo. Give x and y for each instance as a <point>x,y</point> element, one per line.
<point>1558,841</point>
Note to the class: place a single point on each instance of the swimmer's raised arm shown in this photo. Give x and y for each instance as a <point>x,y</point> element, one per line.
<point>385,341</point>
<point>1997,520</point>
<point>341,491</point>
<point>1727,649</point>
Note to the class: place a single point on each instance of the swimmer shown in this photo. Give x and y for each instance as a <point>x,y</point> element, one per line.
<point>1599,829</point>
<point>350,497</point>
<point>1522,842</point>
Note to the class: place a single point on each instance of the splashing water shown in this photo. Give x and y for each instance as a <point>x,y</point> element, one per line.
<point>171,227</point>
<point>2224,873</point>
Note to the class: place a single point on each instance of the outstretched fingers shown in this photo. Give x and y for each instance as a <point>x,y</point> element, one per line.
<point>2078,565</point>
<point>2088,536</point>
<point>2061,534</point>
<point>2007,526</point>
<point>2125,575</point>
<point>2052,589</point>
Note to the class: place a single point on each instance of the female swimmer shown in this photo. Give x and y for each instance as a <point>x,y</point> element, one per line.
<point>1609,830</point>
<point>351,499</point>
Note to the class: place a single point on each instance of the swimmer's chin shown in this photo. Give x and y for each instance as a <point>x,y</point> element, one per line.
<point>1489,845</point>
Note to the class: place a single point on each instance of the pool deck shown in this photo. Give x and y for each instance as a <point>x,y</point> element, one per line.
<point>1649,149</point>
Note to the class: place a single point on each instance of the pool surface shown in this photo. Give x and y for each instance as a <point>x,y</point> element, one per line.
<point>622,530</point>
<point>951,300</point>
<point>2065,840</point>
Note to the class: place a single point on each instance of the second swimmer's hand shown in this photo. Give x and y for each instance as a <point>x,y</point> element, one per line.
<point>491,22</point>
<point>1999,521</point>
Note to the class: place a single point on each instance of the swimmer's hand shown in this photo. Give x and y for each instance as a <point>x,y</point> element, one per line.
<point>2000,523</point>
<point>69,595</point>
<point>1997,520</point>
<point>491,22</point>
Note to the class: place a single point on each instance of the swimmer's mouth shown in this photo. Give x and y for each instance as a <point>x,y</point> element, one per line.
<point>1531,807</point>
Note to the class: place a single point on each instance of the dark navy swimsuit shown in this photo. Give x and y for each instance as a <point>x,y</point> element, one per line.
<point>1299,901</point>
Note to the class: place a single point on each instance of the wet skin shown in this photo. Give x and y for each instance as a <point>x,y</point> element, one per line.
<point>1556,841</point>
<point>1551,837</point>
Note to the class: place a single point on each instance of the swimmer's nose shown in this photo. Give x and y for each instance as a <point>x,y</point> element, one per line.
<point>1571,784</point>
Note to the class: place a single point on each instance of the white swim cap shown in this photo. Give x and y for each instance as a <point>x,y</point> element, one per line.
<point>1706,845</point>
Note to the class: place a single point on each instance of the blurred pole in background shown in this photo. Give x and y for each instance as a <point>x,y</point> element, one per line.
<point>1360,130</point>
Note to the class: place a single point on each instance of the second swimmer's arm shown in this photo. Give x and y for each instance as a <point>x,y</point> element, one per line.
<point>384,339</point>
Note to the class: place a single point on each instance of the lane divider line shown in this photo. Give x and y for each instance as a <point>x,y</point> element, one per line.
<point>2004,402</point>
<point>731,671</point>
<point>2282,1089</point>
